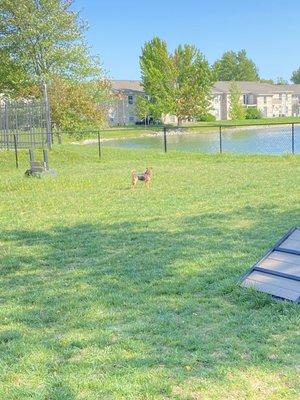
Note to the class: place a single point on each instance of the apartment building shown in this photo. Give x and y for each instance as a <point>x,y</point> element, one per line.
<point>271,100</point>
<point>123,109</point>
<point>295,88</point>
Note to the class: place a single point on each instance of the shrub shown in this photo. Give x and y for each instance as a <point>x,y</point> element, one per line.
<point>253,113</point>
<point>206,118</point>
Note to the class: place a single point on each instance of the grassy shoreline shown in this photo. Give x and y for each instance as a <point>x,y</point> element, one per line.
<point>201,127</point>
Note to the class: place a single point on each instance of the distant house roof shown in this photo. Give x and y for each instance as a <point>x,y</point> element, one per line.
<point>258,88</point>
<point>295,88</point>
<point>251,87</point>
<point>133,86</point>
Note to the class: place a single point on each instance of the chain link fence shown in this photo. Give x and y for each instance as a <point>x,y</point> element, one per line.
<point>242,139</point>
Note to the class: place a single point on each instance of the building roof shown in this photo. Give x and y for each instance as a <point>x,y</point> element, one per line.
<point>295,88</point>
<point>133,86</point>
<point>258,88</point>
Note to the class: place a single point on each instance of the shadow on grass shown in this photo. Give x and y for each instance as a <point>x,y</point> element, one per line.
<point>112,299</point>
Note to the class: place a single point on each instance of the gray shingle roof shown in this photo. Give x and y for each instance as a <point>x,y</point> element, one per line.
<point>295,88</point>
<point>134,86</point>
<point>251,87</point>
<point>258,88</point>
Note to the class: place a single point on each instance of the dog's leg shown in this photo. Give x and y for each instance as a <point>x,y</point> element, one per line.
<point>133,182</point>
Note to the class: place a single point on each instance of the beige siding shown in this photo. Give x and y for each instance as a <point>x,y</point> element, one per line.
<point>275,100</point>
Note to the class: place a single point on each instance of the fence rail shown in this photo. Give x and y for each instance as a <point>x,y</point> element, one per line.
<point>273,138</point>
<point>25,123</point>
<point>255,138</point>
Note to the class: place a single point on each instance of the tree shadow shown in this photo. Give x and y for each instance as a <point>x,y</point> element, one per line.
<point>141,297</point>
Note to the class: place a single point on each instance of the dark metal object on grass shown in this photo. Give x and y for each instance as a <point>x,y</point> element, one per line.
<point>39,169</point>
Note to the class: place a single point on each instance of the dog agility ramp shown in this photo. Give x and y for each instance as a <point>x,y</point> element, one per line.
<point>278,272</point>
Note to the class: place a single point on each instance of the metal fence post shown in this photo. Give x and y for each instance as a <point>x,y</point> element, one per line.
<point>220,139</point>
<point>16,151</point>
<point>293,138</point>
<point>99,145</point>
<point>46,159</point>
<point>47,115</point>
<point>165,139</point>
<point>31,155</point>
<point>6,130</point>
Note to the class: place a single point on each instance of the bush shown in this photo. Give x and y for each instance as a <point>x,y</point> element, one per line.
<point>253,113</point>
<point>206,118</point>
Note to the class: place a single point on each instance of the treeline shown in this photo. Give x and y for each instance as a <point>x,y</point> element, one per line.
<point>44,42</point>
<point>180,83</point>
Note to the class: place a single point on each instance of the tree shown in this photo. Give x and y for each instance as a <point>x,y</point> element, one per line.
<point>237,110</point>
<point>78,106</point>
<point>75,106</point>
<point>235,67</point>
<point>193,82</point>
<point>267,81</point>
<point>158,75</point>
<point>177,83</point>
<point>43,40</point>
<point>12,75</point>
<point>295,78</point>
<point>281,81</point>
<point>143,107</point>
<point>46,38</point>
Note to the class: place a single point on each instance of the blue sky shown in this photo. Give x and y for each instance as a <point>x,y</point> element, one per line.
<point>267,29</point>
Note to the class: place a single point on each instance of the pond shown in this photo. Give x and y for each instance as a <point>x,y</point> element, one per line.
<point>255,140</point>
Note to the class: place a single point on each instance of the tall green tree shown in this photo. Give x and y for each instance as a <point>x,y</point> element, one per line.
<point>46,38</point>
<point>75,106</point>
<point>237,110</point>
<point>178,83</point>
<point>12,75</point>
<point>143,107</point>
<point>192,84</point>
<point>295,78</point>
<point>235,66</point>
<point>158,75</point>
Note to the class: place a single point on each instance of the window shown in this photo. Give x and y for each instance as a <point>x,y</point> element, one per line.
<point>130,99</point>
<point>131,119</point>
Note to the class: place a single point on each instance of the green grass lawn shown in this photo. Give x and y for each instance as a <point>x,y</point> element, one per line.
<point>261,121</point>
<point>108,293</point>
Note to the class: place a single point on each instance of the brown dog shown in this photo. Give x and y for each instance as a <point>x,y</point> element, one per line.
<point>145,176</point>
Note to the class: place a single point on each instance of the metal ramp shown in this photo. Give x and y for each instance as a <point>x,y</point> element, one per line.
<point>278,272</point>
